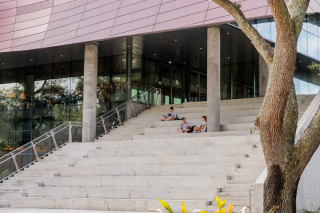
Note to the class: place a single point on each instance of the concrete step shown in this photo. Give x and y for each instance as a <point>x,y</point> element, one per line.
<point>124,192</point>
<point>147,170</point>
<point>216,181</point>
<point>164,151</point>
<point>103,204</point>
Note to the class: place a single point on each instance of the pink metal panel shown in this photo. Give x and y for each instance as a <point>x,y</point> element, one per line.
<point>61,30</point>
<point>68,6</point>
<point>8,13</point>
<point>5,50</point>
<point>26,2</point>
<point>33,15</point>
<point>8,5</point>
<point>68,13</point>
<point>134,25</point>
<point>180,22</point>
<point>34,7</point>
<point>7,28</point>
<point>99,18</point>
<point>99,35</point>
<point>31,23</point>
<point>6,36</point>
<point>30,31</point>
<point>7,21</point>
<point>137,15</point>
<point>59,38</point>
<point>73,21</point>
<point>99,3</point>
<point>64,22</point>
<point>101,10</point>
<point>95,27</point>
<point>185,11</point>
<point>138,7</point>
<point>28,39</point>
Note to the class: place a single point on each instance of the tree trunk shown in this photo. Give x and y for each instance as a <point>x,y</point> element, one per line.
<point>280,190</point>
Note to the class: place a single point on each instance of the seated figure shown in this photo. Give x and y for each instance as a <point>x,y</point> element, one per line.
<point>184,126</point>
<point>170,116</point>
<point>203,127</point>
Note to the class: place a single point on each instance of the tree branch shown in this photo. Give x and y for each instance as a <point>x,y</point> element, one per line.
<point>297,10</point>
<point>265,50</point>
<point>309,142</point>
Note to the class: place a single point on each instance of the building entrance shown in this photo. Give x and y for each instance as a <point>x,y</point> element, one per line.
<point>171,85</point>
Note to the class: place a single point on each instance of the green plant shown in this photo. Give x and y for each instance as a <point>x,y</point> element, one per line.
<point>315,66</point>
<point>5,173</point>
<point>307,211</point>
<point>252,130</point>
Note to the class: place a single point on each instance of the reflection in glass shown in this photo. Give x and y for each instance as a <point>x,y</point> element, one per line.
<point>25,87</point>
<point>303,83</point>
<point>203,87</point>
<point>313,46</point>
<point>303,42</point>
<point>103,92</point>
<point>24,119</point>
<point>76,113</point>
<point>166,87</point>
<point>6,142</point>
<point>8,90</point>
<point>59,116</point>
<point>194,86</point>
<point>76,90</point>
<point>7,121</point>
<point>61,92</point>
<point>312,23</point>
<point>176,83</point>
<point>41,118</point>
<point>119,78</point>
<point>137,74</point>
<point>22,138</point>
<point>264,27</point>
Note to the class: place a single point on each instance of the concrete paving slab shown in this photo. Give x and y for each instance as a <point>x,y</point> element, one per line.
<point>14,210</point>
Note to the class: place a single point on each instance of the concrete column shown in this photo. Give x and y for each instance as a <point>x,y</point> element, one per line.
<point>90,92</point>
<point>264,72</point>
<point>213,79</point>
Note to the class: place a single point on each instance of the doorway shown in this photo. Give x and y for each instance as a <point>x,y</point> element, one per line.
<point>171,85</point>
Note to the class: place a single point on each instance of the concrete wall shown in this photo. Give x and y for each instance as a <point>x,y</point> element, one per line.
<point>308,196</point>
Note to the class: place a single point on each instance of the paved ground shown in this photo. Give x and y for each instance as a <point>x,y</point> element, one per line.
<point>12,210</point>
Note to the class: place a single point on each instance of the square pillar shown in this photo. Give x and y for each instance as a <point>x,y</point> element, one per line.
<point>90,92</point>
<point>213,79</point>
<point>264,72</point>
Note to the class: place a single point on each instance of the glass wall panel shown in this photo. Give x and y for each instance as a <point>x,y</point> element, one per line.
<point>43,86</point>
<point>137,85</point>
<point>313,23</point>
<point>25,87</point>
<point>176,82</point>
<point>24,119</point>
<point>264,27</point>
<point>59,116</point>
<point>303,42</point>
<point>118,78</point>
<point>22,138</point>
<point>225,82</point>
<point>6,142</point>
<point>313,50</point>
<point>8,89</point>
<point>166,85</point>
<point>61,84</point>
<point>41,118</point>
<point>7,121</point>
<point>203,87</point>
<point>194,86</point>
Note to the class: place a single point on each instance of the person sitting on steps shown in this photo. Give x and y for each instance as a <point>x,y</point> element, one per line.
<point>203,127</point>
<point>171,116</point>
<point>184,126</point>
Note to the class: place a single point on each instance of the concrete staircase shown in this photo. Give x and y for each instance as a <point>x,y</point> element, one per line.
<point>145,159</point>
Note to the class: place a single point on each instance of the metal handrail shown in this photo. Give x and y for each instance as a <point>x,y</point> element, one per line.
<point>68,125</point>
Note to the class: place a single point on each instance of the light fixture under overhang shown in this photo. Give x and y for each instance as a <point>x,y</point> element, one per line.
<point>169,62</point>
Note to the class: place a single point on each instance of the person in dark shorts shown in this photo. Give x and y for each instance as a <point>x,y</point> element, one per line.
<point>170,116</point>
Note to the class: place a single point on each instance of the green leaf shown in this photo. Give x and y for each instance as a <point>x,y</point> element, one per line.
<point>165,205</point>
<point>219,202</point>
<point>224,202</point>
<point>183,207</point>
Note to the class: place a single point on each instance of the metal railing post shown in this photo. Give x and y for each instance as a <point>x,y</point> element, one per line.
<point>88,133</point>
<point>35,150</point>
<point>54,141</point>
<point>70,132</point>
<point>104,125</point>
<point>145,99</point>
<point>119,118</point>
<point>134,112</point>
<point>15,162</point>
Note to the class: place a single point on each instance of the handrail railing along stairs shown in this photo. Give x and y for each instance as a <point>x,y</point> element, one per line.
<point>70,131</point>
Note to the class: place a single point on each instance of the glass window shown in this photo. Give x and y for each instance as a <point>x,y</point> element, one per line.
<point>76,113</point>
<point>59,116</point>
<point>176,83</point>
<point>119,78</point>
<point>273,30</point>
<point>203,87</point>
<point>6,142</point>
<point>76,90</point>
<point>42,86</point>
<point>303,42</point>
<point>313,23</point>
<point>24,119</point>
<point>304,79</point>
<point>22,138</point>
<point>225,86</point>
<point>61,84</point>
<point>313,46</point>
<point>8,89</point>
<point>41,118</point>
<point>103,81</point>
<point>314,83</point>
<point>7,121</point>
<point>264,27</point>
<point>25,87</point>
<point>194,86</point>
<point>137,80</point>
